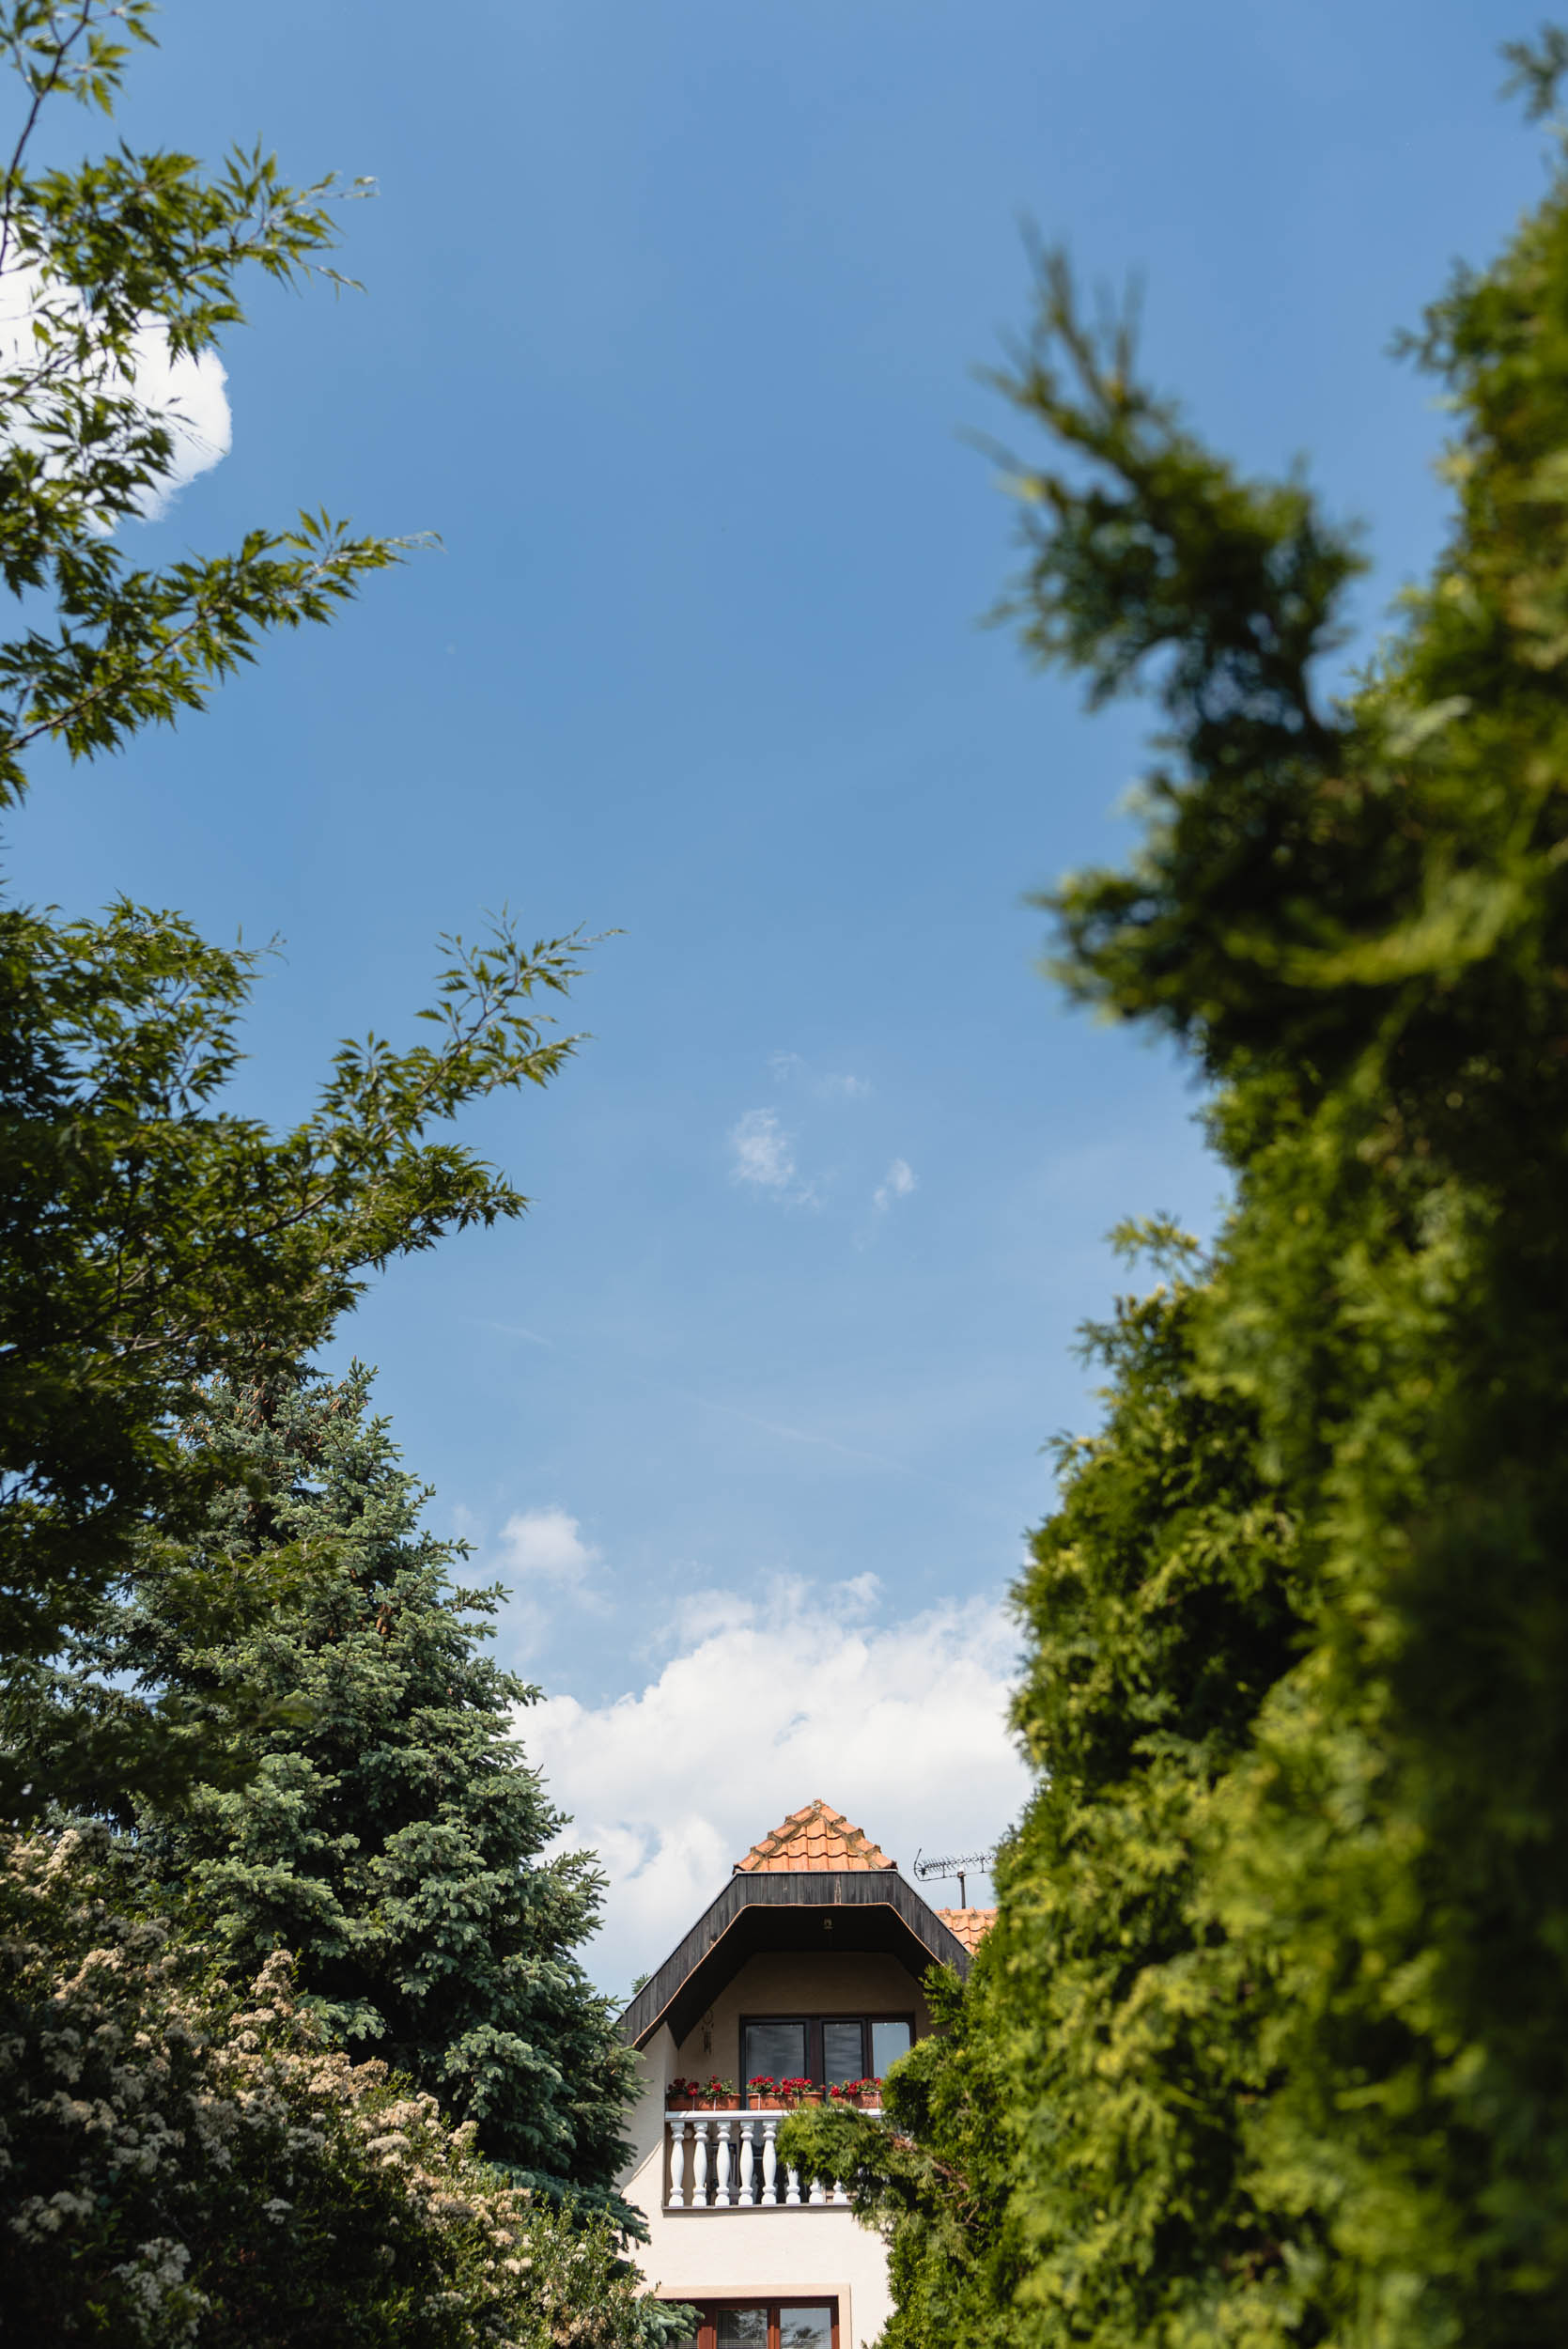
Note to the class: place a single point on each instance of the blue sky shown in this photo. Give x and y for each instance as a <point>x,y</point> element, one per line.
<point>673,316</point>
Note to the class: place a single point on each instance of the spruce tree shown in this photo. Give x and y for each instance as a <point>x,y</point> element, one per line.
<point>392,1835</point>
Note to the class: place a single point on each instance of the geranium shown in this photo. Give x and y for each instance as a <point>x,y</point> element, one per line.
<point>762,2085</point>
<point>799,2088</point>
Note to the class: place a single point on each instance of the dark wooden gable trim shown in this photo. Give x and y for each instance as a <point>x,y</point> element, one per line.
<point>870,1909</point>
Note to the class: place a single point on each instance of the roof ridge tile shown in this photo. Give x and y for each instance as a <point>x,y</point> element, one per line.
<point>814,1840</point>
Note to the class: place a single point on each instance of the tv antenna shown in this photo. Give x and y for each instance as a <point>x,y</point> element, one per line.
<point>957,1864</point>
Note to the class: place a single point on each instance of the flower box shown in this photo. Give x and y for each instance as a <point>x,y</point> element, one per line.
<point>861,2094</point>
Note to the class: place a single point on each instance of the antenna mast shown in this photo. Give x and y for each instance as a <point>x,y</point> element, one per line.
<point>958,1864</point>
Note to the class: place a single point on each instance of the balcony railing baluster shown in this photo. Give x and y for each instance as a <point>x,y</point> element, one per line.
<point>742,2172</point>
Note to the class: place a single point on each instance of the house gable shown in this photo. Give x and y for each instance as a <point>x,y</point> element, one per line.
<point>817,1883</point>
<point>815,1932</point>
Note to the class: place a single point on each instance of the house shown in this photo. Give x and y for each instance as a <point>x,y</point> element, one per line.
<point>808,1965</point>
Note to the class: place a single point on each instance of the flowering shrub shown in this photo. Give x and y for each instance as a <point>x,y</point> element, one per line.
<point>179,2165</point>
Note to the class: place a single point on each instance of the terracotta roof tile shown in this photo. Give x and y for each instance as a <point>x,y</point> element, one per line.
<point>971,1925</point>
<point>815,1841</point>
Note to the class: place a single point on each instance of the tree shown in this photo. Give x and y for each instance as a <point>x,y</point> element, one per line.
<point>389,1830</point>
<point>183,2163</point>
<point>932,2172</point>
<point>1076,2126</point>
<point>1280,1985</point>
<point>151,1239</point>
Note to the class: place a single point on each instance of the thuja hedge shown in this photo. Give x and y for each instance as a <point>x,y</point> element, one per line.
<point>1274,2024</point>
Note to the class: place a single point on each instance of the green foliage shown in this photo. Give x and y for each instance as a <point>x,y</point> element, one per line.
<point>152,1238</point>
<point>390,1836</point>
<point>1279,1991</point>
<point>127,245</point>
<point>930,2172</point>
<point>1076,2127</point>
<point>210,1567</point>
<point>180,2164</point>
<point>1164,1601</point>
<point>1362,930</point>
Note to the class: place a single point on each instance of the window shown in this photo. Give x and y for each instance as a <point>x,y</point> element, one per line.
<point>827,2047</point>
<point>767,2324</point>
<point>890,2039</point>
<point>774,2050</point>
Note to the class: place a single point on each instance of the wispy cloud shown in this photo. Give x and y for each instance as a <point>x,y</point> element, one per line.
<point>827,1084</point>
<point>762,1154</point>
<point>806,1435</point>
<point>763,1151</point>
<point>896,1182</point>
<point>507,1330</point>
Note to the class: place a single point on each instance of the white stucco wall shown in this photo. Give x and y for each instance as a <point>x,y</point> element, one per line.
<point>762,2253</point>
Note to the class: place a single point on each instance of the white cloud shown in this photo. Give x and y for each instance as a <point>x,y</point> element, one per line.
<point>767,1704</point>
<point>186,394</point>
<point>896,1182</point>
<point>762,1150</point>
<point>546,1544</point>
<point>827,1085</point>
<point>762,1154</point>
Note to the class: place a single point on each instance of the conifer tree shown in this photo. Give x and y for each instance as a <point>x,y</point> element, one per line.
<point>391,1836</point>
<point>152,1236</point>
<point>1076,2125</point>
<point>1277,1996</point>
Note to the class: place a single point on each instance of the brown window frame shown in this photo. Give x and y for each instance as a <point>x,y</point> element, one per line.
<point>708,2326</point>
<point>815,2065</point>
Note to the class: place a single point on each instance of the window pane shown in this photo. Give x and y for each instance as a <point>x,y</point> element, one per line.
<point>889,2041</point>
<point>776,2049</point>
<point>843,2055</point>
<point>806,2328</point>
<point>742,2328</point>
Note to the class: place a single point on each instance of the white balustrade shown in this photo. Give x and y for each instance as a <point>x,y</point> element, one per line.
<point>735,2165</point>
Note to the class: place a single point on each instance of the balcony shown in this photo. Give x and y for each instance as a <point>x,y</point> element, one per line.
<point>730,2161</point>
